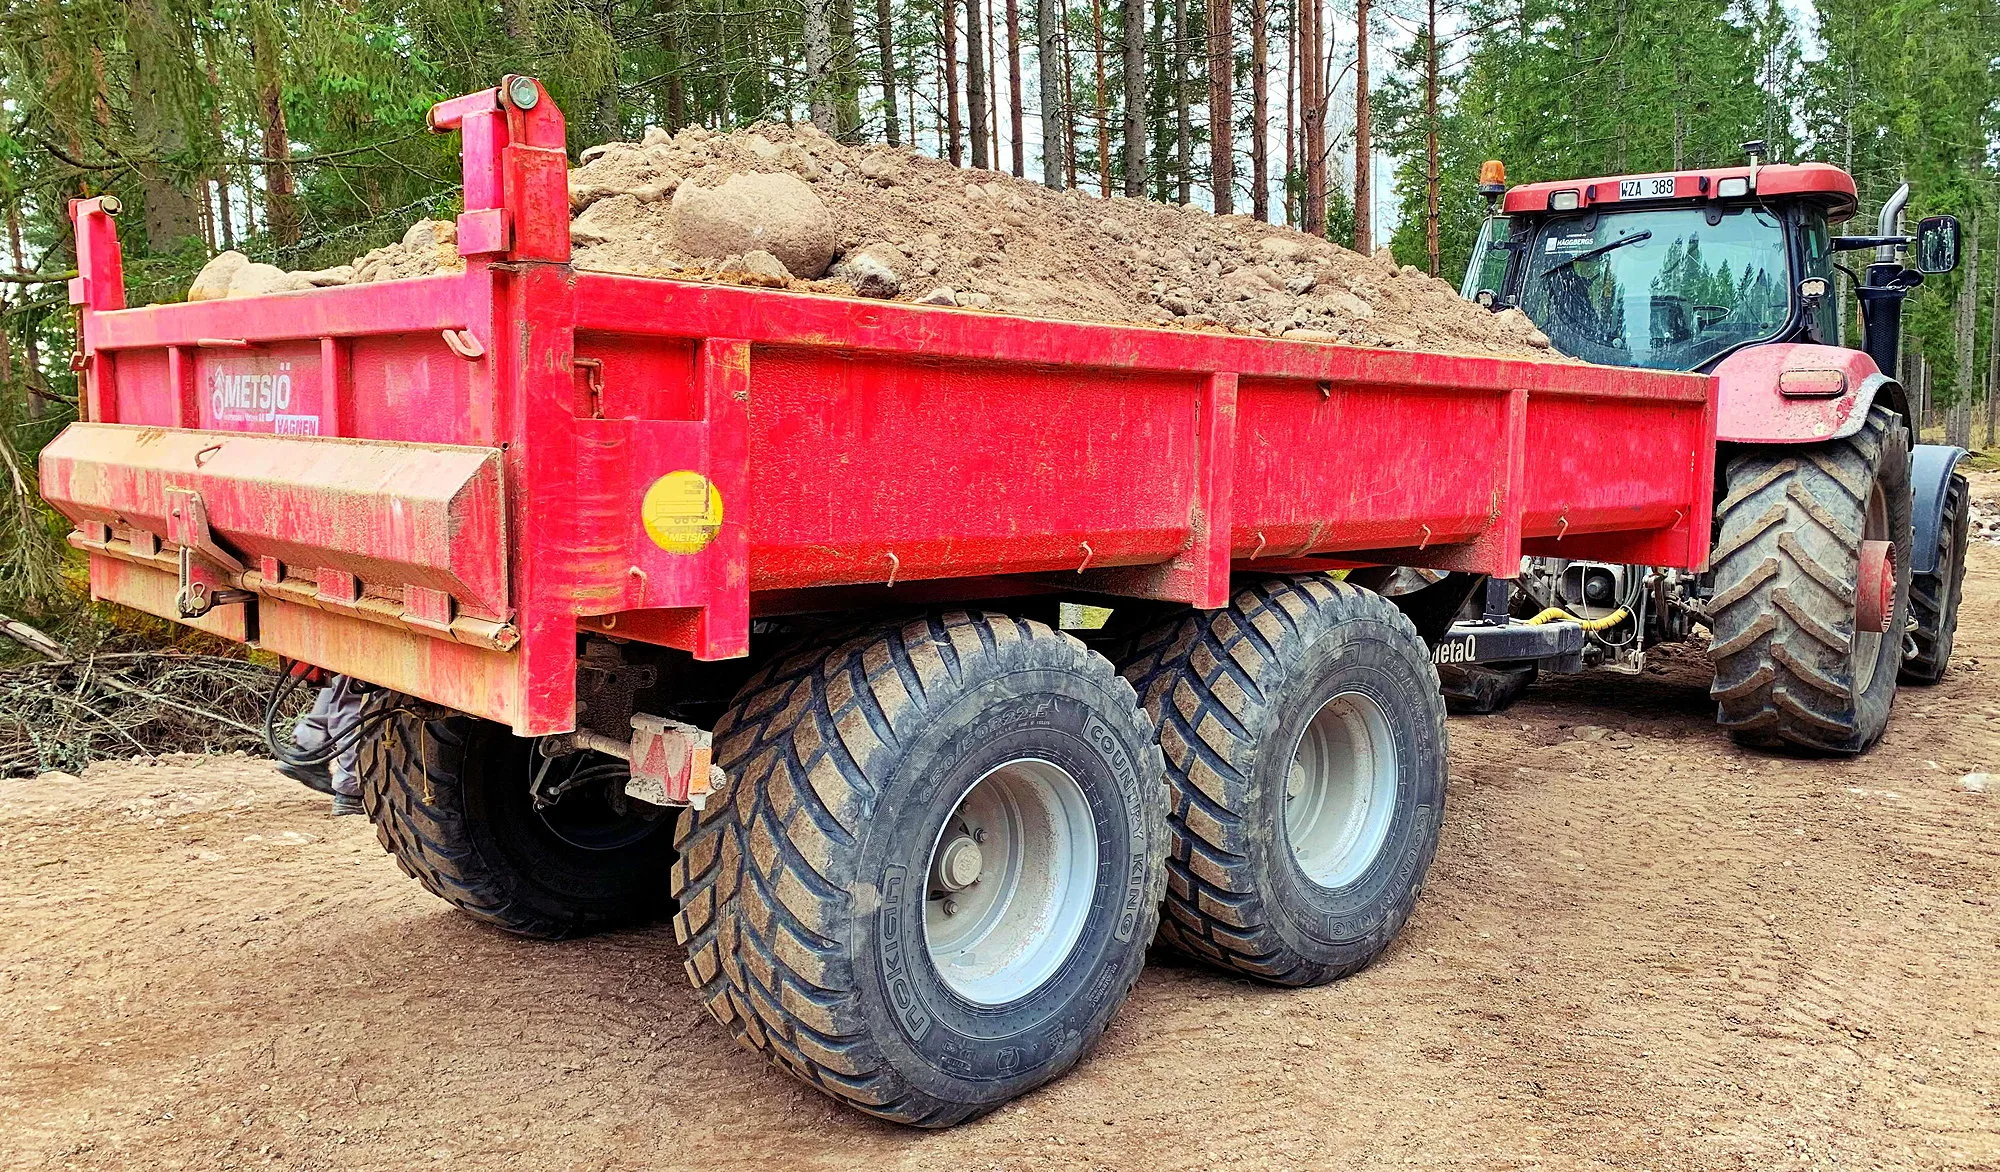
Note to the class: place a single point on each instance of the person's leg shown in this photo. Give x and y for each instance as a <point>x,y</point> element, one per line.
<point>313,731</point>
<point>343,713</point>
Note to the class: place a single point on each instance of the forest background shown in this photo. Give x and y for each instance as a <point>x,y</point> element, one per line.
<point>295,132</point>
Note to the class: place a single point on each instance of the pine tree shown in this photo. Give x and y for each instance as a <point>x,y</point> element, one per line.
<point>1048,66</point>
<point>1221,87</point>
<point>1132,26</point>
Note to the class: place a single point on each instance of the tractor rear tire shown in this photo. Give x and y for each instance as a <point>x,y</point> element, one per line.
<point>828,924</point>
<point>1934,596</point>
<point>450,800</point>
<point>1305,747</point>
<point>1790,668</point>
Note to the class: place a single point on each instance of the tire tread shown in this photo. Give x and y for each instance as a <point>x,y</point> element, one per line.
<point>764,925</point>
<point>1213,906</point>
<point>1781,615</point>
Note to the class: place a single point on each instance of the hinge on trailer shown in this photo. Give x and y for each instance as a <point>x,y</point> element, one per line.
<point>187,527</point>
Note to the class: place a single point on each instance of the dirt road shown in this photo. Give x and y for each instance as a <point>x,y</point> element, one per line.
<point>1640,948</point>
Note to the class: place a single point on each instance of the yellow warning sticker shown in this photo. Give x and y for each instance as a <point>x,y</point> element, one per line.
<point>682,512</point>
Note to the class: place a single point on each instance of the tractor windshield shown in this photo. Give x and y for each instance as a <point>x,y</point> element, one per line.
<point>1663,288</point>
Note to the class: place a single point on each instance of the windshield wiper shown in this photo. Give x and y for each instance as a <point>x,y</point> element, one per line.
<point>1600,250</point>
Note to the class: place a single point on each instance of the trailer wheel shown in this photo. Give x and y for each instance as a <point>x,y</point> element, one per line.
<point>1305,748</point>
<point>933,874</point>
<point>1792,664</point>
<point>1934,596</point>
<point>450,800</point>
<point>1474,689</point>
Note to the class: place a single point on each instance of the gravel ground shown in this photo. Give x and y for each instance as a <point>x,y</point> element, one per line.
<point>1640,948</point>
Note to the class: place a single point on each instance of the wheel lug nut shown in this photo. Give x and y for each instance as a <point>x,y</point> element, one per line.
<point>951,907</point>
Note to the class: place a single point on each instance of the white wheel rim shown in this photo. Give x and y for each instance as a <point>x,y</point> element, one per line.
<point>1009,882</point>
<point>1340,792</point>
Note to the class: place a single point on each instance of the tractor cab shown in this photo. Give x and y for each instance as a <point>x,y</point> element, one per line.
<point>1677,271</point>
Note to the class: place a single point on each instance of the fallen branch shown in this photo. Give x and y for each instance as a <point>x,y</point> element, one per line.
<point>33,639</point>
<point>66,709</point>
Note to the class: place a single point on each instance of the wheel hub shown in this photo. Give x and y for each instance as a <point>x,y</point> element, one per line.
<point>1874,590</point>
<point>959,864</point>
<point>584,804</point>
<point>1340,792</point>
<point>1010,880</point>
<point>1875,587</point>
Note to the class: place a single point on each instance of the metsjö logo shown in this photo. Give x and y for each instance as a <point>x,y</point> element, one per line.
<point>251,396</point>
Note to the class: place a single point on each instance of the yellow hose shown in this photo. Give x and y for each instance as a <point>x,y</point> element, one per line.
<point>1557,614</point>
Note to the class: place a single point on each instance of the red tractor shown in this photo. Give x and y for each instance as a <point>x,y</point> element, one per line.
<point>1839,541</point>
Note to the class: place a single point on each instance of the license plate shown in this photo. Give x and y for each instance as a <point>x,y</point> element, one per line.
<point>1647,187</point>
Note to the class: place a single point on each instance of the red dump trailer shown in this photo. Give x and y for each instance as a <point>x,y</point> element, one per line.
<point>785,614</point>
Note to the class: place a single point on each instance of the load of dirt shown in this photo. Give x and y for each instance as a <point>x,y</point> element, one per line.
<point>787,206</point>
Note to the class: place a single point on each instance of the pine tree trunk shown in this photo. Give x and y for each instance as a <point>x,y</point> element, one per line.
<point>1068,94</point>
<point>1312,108</point>
<point>249,201</point>
<point>1103,100</point>
<point>1431,138</point>
<point>172,214</point>
<point>1015,110</point>
<point>30,350</point>
<point>604,105</point>
<point>885,45</point>
<point>1364,142</point>
<point>520,23</point>
<point>1049,69</point>
<point>225,220</point>
<point>281,213</point>
<point>1993,352</point>
<point>1221,121</point>
<point>1923,412</point>
<point>1183,122</point>
<point>993,89</point>
<point>1958,424</point>
<point>1291,118</point>
<point>817,33</point>
<point>949,83</point>
<point>1135,98</point>
<point>225,216</point>
<point>846,73</point>
<point>975,83</point>
<point>1260,110</point>
<point>674,94</point>
<point>1160,100</point>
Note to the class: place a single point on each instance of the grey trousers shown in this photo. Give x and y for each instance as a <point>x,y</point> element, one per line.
<point>334,712</point>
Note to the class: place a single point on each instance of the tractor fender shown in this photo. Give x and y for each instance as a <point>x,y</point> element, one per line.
<point>1931,468</point>
<point>1797,393</point>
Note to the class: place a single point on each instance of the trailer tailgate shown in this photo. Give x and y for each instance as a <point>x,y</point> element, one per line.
<point>306,519</point>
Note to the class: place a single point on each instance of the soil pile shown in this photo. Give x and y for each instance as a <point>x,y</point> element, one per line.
<point>786,206</point>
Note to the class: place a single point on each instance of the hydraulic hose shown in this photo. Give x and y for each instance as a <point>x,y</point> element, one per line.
<point>1557,614</point>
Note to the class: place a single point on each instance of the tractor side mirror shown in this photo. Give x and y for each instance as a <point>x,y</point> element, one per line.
<point>1937,244</point>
